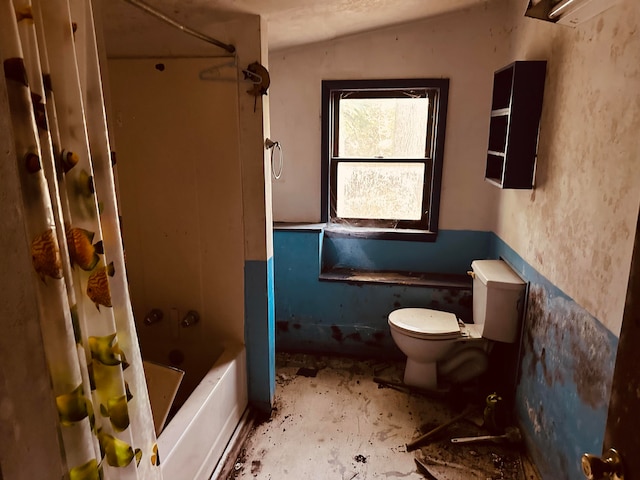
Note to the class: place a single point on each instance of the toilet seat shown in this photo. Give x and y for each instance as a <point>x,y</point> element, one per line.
<point>425,323</point>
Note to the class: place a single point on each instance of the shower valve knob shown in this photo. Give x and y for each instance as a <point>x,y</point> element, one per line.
<point>191,318</point>
<point>154,316</point>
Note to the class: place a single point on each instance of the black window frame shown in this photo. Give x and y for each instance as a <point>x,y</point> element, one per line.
<point>423,230</point>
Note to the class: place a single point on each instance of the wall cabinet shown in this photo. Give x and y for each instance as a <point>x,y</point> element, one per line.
<point>515,117</point>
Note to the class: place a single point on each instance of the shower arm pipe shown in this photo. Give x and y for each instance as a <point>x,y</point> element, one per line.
<point>152,11</point>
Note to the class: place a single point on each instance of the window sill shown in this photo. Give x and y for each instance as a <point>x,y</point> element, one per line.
<point>433,280</point>
<point>405,234</point>
<point>342,231</point>
<point>295,226</point>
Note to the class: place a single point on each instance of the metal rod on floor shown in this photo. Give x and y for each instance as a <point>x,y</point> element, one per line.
<point>152,11</point>
<point>423,438</point>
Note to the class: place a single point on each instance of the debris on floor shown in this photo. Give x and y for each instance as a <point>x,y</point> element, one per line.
<point>332,421</point>
<point>494,459</point>
<point>422,468</point>
<point>307,372</point>
<point>422,439</point>
<point>511,435</point>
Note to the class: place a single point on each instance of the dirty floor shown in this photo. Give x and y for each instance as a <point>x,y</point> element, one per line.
<point>333,421</point>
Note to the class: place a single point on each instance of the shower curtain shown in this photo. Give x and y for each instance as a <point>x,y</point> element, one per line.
<point>50,62</point>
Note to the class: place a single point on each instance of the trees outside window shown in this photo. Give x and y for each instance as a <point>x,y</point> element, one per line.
<point>382,151</point>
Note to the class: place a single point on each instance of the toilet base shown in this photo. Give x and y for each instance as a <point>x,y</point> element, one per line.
<point>421,375</point>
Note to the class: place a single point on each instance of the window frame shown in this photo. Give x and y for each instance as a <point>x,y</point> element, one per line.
<point>424,230</point>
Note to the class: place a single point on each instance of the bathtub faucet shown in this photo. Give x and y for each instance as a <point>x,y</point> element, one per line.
<point>190,319</point>
<point>154,316</point>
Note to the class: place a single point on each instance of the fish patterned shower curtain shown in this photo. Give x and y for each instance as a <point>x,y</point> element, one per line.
<point>49,56</point>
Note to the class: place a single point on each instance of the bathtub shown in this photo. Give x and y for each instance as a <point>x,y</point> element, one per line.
<point>213,403</point>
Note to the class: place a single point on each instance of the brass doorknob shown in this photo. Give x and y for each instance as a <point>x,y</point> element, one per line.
<point>608,467</point>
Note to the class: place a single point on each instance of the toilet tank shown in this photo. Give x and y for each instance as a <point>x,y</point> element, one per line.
<point>498,295</point>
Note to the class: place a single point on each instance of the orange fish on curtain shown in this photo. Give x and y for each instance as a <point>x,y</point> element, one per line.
<point>98,286</point>
<point>46,256</point>
<point>81,250</point>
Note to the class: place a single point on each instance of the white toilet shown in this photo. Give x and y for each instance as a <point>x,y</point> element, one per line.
<point>436,343</point>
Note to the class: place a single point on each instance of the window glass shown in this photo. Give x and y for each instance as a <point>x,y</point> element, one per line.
<point>382,152</point>
<point>380,190</point>
<point>383,127</point>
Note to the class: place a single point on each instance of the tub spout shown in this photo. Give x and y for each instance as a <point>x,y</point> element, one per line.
<point>190,319</point>
<point>154,316</point>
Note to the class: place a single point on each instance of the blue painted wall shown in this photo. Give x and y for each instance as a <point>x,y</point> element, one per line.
<point>259,332</point>
<point>566,369</point>
<point>453,252</point>
<point>349,318</point>
<point>567,356</point>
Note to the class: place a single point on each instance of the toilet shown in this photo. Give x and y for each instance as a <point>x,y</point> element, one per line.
<point>438,344</point>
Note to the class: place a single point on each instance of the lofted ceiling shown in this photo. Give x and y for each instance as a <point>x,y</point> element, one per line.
<point>289,22</point>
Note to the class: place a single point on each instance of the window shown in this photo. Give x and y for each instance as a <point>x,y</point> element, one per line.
<point>382,150</point>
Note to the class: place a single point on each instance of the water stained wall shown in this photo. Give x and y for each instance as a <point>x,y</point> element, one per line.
<point>566,355</point>
<point>566,372</point>
<point>576,227</point>
<point>574,231</point>
<point>356,325</point>
<point>348,316</point>
<point>564,378</point>
<point>555,345</point>
<point>566,358</point>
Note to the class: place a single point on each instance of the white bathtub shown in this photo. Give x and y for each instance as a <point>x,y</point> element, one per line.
<point>192,443</point>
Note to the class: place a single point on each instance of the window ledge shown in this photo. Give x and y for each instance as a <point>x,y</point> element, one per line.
<point>408,234</point>
<point>344,231</point>
<point>299,226</point>
<point>434,280</point>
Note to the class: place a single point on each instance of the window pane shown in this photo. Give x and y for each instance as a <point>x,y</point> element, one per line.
<point>383,127</point>
<point>391,191</point>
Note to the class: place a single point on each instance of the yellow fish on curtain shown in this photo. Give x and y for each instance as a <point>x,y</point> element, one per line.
<point>68,197</point>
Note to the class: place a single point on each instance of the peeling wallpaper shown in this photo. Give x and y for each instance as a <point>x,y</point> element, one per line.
<point>577,226</point>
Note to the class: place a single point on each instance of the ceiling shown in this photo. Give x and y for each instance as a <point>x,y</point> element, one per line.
<point>289,22</point>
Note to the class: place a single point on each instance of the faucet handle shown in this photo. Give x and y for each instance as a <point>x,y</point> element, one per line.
<point>191,318</point>
<point>154,316</point>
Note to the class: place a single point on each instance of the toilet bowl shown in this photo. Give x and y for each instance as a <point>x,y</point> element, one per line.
<point>437,343</point>
<point>427,337</point>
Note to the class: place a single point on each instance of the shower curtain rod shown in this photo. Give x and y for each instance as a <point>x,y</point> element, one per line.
<point>150,10</point>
